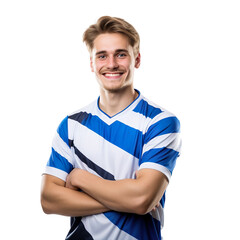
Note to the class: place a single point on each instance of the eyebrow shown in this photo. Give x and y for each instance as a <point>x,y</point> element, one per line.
<point>117,51</point>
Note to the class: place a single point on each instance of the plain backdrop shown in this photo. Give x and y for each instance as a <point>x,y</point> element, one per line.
<point>190,66</point>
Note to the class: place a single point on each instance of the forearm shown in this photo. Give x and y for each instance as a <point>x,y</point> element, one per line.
<point>57,199</point>
<point>113,194</point>
<point>127,195</point>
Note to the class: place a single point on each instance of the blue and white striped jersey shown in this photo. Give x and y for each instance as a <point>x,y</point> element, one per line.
<point>143,135</point>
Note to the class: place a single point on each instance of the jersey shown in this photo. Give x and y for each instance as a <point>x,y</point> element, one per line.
<point>143,135</point>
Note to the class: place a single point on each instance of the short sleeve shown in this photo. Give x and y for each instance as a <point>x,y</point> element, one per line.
<point>60,163</point>
<point>162,145</point>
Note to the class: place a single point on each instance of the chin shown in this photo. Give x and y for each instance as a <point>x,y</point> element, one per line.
<point>116,89</point>
<point>112,89</point>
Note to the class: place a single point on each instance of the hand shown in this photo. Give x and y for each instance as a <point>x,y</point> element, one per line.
<point>70,179</point>
<point>155,208</point>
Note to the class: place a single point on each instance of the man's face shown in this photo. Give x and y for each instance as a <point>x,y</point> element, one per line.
<point>113,61</point>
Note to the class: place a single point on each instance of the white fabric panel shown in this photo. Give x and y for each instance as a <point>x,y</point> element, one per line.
<point>135,120</point>
<point>102,228</point>
<point>62,148</point>
<point>171,141</point>
<point>158,214</point>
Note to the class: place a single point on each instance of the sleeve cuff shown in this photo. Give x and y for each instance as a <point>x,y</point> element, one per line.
<point>56,172</point>
<point>158,167</point>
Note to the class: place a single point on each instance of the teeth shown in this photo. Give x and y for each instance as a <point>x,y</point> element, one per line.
<point>112,74</point>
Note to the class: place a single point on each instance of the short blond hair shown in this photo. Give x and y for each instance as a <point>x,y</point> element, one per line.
<point>107,24</point>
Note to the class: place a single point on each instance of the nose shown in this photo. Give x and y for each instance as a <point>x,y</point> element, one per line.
<point>112,62</point>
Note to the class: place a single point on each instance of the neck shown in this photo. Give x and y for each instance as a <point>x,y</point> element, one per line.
<point>114,102</point>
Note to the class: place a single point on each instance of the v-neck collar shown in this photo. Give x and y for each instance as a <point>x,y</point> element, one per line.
<point>131,106</point>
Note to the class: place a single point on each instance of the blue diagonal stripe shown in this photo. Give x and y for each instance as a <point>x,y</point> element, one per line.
<point>114,133</point>
<point>164,126</point>
<point>146,109</point>
<point>58,161</point>
<point>141,227</point>
<point>163,156</point>
<point>63,130</point>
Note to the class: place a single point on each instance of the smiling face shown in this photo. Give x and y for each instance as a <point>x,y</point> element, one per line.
<point>113,61</point>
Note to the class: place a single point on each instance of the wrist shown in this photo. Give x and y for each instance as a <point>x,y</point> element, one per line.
<point>86,180</point>
<point>76,178</point>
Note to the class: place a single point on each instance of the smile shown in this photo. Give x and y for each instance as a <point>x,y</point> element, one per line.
<point>112,75</point>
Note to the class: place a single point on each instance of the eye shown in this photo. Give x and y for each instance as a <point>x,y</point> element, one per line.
<point>121,55</point>
<point>101,57</point>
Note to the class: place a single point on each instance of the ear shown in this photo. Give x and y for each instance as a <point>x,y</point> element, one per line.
<point>91,64</point>
<point>137,60</point>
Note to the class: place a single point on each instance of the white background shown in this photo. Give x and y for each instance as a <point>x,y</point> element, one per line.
<point>190,66</point>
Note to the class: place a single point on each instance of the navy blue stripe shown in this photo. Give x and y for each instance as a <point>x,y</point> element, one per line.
<point>63,130</point>
<point>70,143</point>
<point>142,227</point>
<point>164,126</point>
<point>80,117</point>
<point>78,231</point>
<point>146,109</point>
<point>163,156</point>
<point>114,133</point>
<point>100,171</point>
<point>58,161</point>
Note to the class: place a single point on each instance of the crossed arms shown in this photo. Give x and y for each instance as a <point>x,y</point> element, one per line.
<point>98,195</point>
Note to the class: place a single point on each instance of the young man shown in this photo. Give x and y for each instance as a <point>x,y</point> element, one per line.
<point>112,160</point>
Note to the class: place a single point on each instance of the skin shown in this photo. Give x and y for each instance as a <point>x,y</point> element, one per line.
<point>113,62</point>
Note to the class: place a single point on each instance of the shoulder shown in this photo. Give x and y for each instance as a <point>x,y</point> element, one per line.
<point>82,113</point>
<point>90,108</point>
<point>151,110</point>
<point>155,112</point>
<point>160,120</point>
<point>69,122</point>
